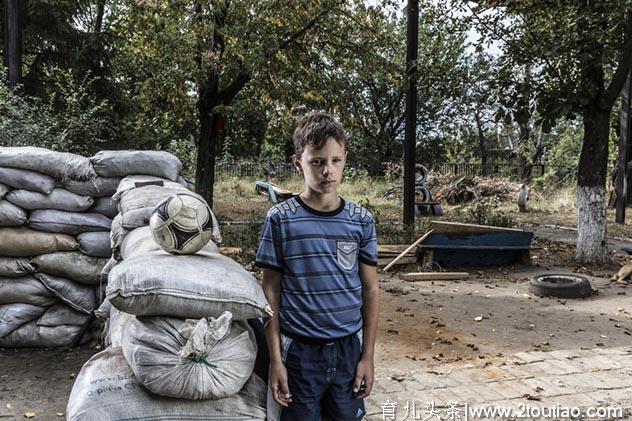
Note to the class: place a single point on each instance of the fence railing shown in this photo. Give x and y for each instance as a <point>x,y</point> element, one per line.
<point>281,171</point>
<point>502,170</point>
<point>226,170</point>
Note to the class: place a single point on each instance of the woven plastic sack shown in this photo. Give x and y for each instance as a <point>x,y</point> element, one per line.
<point>72,265</point>
<point>12,316</point>
<point>106,389</point>
<point>29,180</point>
<point>201,285</point>
<point>12,267</point>
<point>190,359</point>
<point>61,314</point>
<point>60,165</point>
<point>25,290</point>
<point>96,187</point>
<point>123,163</point>
<point>72,223</point>
<point>78,296</point>
<point>137,205</point>
<point>140,241</point>
<point>117,324</point>
<point>23,242</point>
<point>60,199</point>
<point>31,335</point>
<point>105,206</point>
<point>95,244</point>
<point>138,181</point>
<point>11,215</point>
<point>4,190</point>
<point>117,235</point>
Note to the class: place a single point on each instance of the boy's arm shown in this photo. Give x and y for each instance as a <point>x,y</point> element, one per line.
<point>278,374</point>
<point>370,313</point>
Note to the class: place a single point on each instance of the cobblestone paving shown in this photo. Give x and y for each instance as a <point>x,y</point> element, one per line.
<point>592,381</point>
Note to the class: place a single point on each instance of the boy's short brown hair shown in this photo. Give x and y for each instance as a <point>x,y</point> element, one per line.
<point>314,129</point>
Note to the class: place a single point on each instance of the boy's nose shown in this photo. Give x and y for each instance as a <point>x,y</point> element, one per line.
<point>325,170</point>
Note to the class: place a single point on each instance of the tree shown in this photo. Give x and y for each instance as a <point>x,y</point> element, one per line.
<point>572,48</point>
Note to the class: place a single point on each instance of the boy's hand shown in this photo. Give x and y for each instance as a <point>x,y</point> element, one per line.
<point>363,383</point>
<point>278,383</point>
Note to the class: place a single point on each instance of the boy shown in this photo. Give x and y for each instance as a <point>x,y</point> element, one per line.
<point>319,257</point>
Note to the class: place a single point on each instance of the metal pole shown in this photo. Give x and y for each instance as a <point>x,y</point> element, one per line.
<point>12,41</point>
<point>412,11</point>
<point>620,183</point>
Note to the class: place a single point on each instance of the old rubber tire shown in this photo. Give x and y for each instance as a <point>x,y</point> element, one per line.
<point>560,285</point>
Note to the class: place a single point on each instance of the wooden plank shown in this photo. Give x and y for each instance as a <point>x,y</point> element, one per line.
<point>406,260</point>
<point>410,253</point>
<point>442,227</point>
<point>391,248</point>
<point>230,250</point>
<point>473,247</point>
<point>412,246</point>
<point>434,276</point>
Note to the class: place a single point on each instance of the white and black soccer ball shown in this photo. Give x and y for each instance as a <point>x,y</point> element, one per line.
<point>182,224</point>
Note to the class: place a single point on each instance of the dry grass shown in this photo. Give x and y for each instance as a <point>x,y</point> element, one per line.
<point>235,200</point>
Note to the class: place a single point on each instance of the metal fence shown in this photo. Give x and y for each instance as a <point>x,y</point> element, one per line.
<point>281,171</point>
<point>227,170</point>
<point>502,170</point>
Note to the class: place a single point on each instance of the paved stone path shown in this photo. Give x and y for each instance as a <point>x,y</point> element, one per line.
<point>544,383</point>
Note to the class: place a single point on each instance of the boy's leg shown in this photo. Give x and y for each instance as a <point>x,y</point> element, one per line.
<point>306,372</point>
<point>339,402</point>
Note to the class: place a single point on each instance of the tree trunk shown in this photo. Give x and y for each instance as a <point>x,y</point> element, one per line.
<point>522,153</point>
<point>592,245</point>
<point>481,143</point>
<point>209,145</point>
<point>13,41</point>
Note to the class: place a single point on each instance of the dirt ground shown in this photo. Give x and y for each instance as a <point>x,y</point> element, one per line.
<point>421,324</point>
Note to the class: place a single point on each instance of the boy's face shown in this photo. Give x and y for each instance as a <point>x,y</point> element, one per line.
<point>322,168</point>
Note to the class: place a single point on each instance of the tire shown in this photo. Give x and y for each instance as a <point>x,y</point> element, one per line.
<point>424,194</point>
<point>423,172</point>
<point>560,285</point>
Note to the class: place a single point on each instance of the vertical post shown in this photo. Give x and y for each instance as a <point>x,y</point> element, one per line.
<point>12,41</point>
<point>620,182</point>
<point>412,11</point>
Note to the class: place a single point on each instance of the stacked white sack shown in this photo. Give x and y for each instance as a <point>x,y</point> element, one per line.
<point>51,246</point>
<point>196,344</point>
<point>106,389</point>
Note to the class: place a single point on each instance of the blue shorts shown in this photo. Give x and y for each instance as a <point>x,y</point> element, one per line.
<point>320,379</point>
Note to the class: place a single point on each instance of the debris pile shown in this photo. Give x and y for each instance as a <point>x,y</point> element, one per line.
<point>455,190</point>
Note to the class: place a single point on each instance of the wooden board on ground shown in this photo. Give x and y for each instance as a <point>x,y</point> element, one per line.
<point>406,260</point>
<point>434,276</point>
<point>391,248</point>
<point>230,250</point>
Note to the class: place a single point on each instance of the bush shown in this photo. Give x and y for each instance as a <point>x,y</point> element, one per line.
<point>70,119</point>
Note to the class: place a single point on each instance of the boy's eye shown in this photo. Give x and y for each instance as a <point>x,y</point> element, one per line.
<point>317,162</point>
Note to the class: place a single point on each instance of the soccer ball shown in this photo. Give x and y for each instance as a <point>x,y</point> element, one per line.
<point>182,224</point>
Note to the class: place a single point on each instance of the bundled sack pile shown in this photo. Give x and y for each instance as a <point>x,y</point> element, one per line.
<point>54,230</point>
<point>178,342</point>
<point>456,190</point>
<point>56,212</point>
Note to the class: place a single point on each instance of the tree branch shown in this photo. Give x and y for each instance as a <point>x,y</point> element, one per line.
<point>228,94</point>
<point>618,79</point>
<point>296,35</point>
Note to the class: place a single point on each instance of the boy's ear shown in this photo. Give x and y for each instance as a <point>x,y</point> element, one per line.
<point>296,160</point>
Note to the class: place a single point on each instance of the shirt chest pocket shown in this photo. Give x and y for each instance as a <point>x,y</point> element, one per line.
<point>347,254</point>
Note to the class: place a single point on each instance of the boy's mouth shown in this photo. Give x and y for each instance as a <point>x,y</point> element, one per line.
<point>327,182</point>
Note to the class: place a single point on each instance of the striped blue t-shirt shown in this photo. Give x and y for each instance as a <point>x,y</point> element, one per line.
<point>318,254</point>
